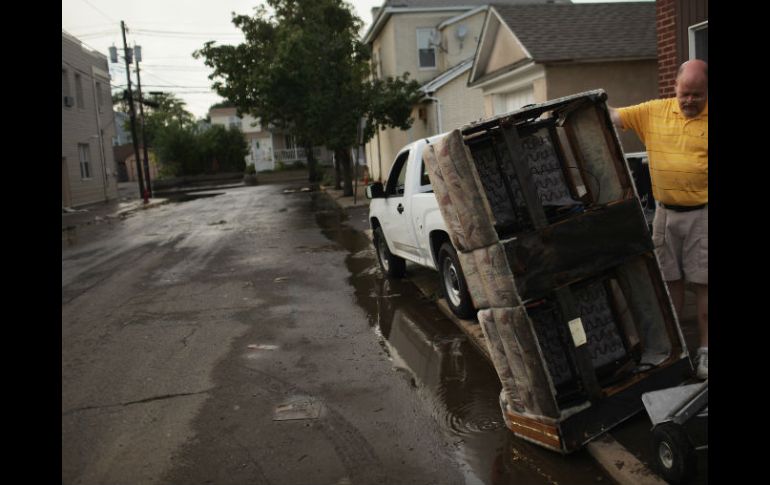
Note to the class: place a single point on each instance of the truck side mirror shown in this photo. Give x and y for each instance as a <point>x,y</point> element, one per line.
<point>375,191</point>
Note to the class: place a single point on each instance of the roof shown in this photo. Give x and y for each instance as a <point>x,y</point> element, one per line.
<point>457,3</point>
<point>586,31</point>
<point>389,7</point>
<point>445,77</point>
<point>122,152</point>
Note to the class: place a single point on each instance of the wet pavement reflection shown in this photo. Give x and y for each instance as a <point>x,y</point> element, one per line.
<point>450,376</point>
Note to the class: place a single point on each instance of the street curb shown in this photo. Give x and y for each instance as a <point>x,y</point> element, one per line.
<point>344,201</point>
<point>620,464</point>
<point>141,206</point>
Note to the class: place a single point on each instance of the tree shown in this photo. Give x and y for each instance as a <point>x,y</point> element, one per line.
<point>224,149</point>
<point>305,70</point>
<point>161,110</point>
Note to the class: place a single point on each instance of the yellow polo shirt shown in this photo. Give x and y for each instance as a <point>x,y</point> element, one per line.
<point>677,149</point>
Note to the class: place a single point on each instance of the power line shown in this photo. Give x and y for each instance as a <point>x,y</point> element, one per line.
<point>102,13</point>
<point>180,32</point>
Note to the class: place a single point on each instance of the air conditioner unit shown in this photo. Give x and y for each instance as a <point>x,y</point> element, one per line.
<point>69,101</point>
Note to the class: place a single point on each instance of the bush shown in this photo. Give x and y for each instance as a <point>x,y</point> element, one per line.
<point>250,170</point>
<point>328,177</point>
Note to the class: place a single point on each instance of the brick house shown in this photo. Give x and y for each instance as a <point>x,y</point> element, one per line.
<point>682,27</point>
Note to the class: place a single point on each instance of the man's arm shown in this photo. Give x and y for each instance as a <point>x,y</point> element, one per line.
<point>615,117</point>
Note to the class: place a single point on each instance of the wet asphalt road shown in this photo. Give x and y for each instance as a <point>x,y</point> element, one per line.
<point>248,337</point>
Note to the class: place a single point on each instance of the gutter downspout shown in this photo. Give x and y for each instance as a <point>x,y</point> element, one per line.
<point>438,113</point>
<point>100,137</point>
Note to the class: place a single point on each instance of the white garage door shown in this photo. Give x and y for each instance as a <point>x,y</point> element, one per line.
<point>514,100</point>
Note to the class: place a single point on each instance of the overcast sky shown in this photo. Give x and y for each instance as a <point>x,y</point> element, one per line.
<point>168,32</point>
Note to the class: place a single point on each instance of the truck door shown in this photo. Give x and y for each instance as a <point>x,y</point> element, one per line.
<point>397,221</point>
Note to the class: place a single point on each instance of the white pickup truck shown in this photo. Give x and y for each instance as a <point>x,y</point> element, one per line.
<point>407,225</point>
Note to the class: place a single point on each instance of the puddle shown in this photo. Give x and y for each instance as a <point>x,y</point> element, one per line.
<point>455,382</point>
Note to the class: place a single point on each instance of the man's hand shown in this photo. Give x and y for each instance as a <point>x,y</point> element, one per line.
<point>615,117</point>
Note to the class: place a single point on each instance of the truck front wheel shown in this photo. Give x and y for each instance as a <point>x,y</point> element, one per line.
<point>453,282</point>
<point>391,265</point>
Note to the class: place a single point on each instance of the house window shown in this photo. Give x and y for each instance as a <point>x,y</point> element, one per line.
<point>79,91</point>
<point>65,88</point>
<point>84,153</point>
<point>426,52</point>
<point>65,83</point>
<point>291,142</point>
<point>698,36</point>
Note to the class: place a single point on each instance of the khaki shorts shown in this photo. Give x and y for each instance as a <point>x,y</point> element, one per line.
<point>682,244</point>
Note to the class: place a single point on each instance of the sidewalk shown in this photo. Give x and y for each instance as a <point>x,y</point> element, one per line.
<point>128,201</point>
<point>348,201</point>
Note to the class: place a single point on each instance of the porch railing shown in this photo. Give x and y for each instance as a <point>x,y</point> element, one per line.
<point>289,155</point>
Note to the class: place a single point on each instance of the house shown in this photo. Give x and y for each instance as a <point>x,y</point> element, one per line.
<point>435,42</point>
<point>125,159</point>
<point>122,135</point>
<point>534,53</point>
<point>682,35</point>
<point>88,171</point>
<point>269,146</point>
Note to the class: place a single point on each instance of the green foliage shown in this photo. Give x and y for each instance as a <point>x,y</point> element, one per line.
<point>179,152</point>
<point>182,148</point>
<point>224,149</point>
<point>250,170</point>
<point>304,69</point>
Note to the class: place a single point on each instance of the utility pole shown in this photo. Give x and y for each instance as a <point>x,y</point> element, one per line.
<point>132,114</point>
<point>137,58</point>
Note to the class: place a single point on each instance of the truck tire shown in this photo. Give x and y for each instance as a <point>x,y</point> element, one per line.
<point>391,265</point>
<point>674,455</point>
<point>453,283</point>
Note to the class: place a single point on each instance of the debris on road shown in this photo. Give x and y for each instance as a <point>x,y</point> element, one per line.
<point>299,408</point>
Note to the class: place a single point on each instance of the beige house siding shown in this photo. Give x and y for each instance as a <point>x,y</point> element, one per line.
<point>395,48</point>
<point>385,48</point>
<point>82,123</point>
<point>393,140</point>
<point>626,84</point>
<point>456,50</point>
<point>459,105</point>
<point>405,33</point>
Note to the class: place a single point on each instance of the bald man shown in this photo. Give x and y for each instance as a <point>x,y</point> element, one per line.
<point>675,133</point>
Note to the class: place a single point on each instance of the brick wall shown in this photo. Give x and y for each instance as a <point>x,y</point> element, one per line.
<point>667,52</point>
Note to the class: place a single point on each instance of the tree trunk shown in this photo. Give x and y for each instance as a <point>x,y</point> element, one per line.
<point>337,174</point>
<point>312,164</point>
<point>343,157</point>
